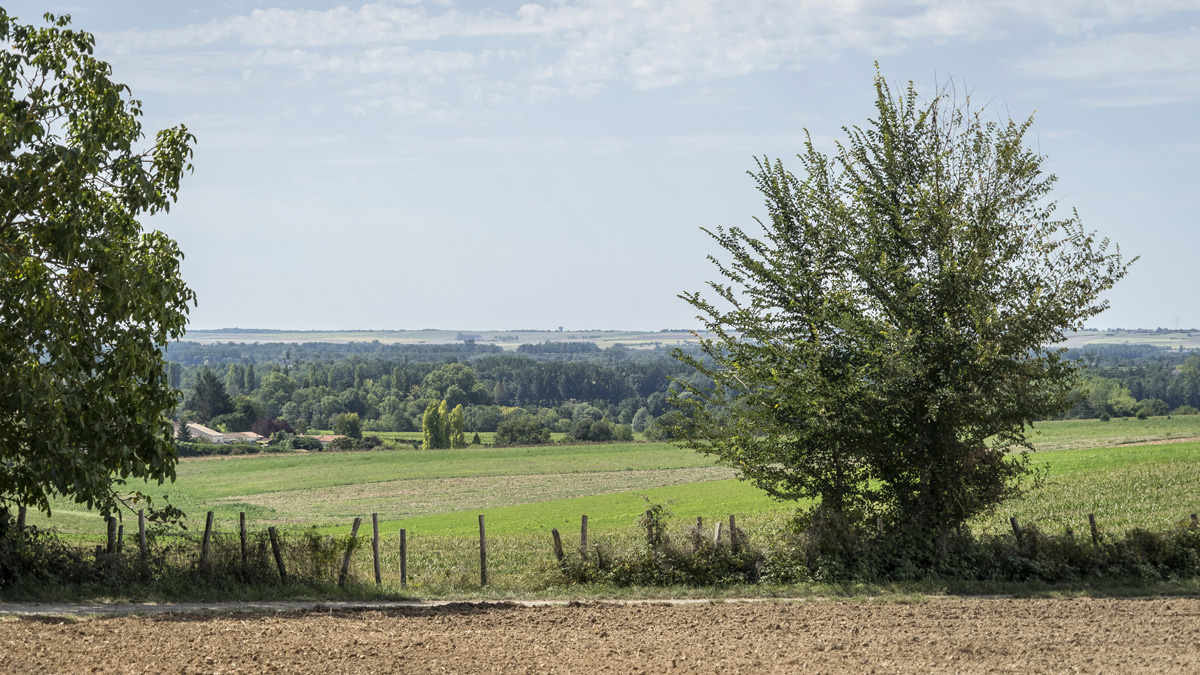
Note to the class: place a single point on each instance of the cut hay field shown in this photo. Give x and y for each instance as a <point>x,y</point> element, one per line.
<point>437,496</point>
<point>1131,473</point>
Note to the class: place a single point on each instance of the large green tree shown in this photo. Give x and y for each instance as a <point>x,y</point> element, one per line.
<point>210,399</point>
<point>885,341</point>
<point>87,297</point>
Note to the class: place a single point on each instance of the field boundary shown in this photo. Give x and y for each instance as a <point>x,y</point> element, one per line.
<point>84,610</point>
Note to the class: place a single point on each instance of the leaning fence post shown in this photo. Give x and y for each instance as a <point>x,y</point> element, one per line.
<point>242,534</point>
<point>208,524</point>
<point>483,579</point>
<point>558,551</point>
<point>375,547</point>
<point>142,532</point>
<point>1016,529</point>
<point>349,550</point>
<point>583,538</point>
<point>278,554</point>
<point>1095,532</point>
<point>403,558</point>
<point>733,534</point>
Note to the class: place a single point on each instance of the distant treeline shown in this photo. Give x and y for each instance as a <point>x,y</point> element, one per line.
<point>1141,380</point>
<point>389,387</point>
<point>195,353</point>
<point>562,386</point>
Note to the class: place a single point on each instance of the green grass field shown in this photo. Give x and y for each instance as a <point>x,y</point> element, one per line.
<point>438,495</point>
<point>1091,466</point>
<point>1072,434</point>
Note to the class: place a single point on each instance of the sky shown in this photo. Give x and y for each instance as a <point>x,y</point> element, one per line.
<point>489,165</point>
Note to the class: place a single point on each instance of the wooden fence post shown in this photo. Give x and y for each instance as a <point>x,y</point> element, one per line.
<point>242,534</point>
<point>403,559</point>
<point>112,535</point>
<point>600,559</point>
<point>142,533</point>
<point>1095,532</point>
<point>1016,529</point>
<point>733,534</point>
<point>208,524</point>
<point>120,537</point>
<point>375,547</point>
<point>558,551</point>
<point>717,534</point>
<point>21,510</point>
<point>278,554</point>
<point>583,539</point>
<point>349,550</point>
<point>483,577</point>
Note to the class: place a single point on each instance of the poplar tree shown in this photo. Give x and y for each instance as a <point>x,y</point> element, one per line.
<point>431,427</point>
<point>444,426</point>
<point>458,438</point>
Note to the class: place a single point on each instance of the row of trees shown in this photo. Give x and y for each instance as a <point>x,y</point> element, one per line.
<point>1127,387</point>
<point>442,427</point>
<point>395,396</point>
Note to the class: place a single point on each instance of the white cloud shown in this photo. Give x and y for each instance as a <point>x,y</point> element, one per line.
<point>1127,69</point>
<point>1118,55</point>
<point>458,58</point>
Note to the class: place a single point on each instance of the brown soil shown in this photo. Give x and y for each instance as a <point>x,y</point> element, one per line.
<point>950,635</point>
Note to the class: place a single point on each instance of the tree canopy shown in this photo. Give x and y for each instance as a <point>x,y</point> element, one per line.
<point>87,297</point>
<point>885,341</point>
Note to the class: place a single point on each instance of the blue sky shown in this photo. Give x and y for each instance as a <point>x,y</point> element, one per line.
<point>495,165</point>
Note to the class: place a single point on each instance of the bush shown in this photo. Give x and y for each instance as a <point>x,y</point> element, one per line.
<point>664,558</point>
<point>342,444</point>
<point>218,449</point>
<point>306,443</point>
<point>521,430</point>
<point>1154,407</point>
<point>599,431</point>
<point>622,433</point>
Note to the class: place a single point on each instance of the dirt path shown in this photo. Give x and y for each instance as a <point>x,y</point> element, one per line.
<point>943,635</point>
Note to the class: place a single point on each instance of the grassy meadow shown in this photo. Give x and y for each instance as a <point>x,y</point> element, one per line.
<point>1130,473</point>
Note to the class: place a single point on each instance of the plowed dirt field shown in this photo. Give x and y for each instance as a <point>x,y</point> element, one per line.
<point>943,635</point>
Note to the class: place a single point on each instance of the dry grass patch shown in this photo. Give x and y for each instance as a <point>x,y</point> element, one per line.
<point>401,499</point>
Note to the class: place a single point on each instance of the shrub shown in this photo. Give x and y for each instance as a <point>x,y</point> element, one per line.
<point>598,431</point>
<point>521,430</point>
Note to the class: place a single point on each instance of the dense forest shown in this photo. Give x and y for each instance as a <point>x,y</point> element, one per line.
<point>564,386</point>
<point>572,387</point>
<point>1136,380</point>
